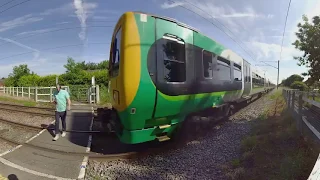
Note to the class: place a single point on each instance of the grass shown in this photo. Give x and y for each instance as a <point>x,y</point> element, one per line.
<point>24,102</point>
<point>17,101</point>
<point>274,149</point>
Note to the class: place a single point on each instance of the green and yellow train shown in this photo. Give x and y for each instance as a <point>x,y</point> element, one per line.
<point>162,70</point>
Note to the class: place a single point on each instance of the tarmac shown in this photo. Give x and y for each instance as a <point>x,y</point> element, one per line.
<point>55,159</point>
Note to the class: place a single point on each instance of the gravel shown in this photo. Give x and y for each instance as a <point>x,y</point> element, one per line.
<point>25,118</point>
<point>15,133</point>
<point>200,158</point>
<point>5,146</point>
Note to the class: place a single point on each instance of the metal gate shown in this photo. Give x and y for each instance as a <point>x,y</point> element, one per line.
<point>84,93</point>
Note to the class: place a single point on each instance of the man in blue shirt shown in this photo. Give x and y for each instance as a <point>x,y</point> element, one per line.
<point>61,97</point>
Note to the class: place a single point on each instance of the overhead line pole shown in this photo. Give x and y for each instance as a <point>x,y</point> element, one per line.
<point>273,67</point>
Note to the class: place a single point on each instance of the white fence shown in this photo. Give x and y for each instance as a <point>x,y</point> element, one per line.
<point>44,94</point>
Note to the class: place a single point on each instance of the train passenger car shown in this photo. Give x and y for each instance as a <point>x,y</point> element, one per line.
<point>162,70</point>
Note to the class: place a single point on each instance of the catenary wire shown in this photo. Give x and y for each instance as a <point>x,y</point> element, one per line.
<point>14,6</point>
<point>6,3</point>
<point>284,29</point>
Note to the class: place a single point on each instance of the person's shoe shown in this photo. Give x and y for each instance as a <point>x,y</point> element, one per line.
<point>56,137</point>
<point>63,134</point>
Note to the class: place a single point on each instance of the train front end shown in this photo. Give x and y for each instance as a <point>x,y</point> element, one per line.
<point>129,87</point>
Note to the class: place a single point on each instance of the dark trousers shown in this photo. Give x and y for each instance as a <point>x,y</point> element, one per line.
<point>63,116</point>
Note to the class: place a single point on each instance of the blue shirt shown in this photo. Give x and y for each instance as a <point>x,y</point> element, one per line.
<point>61,99</point>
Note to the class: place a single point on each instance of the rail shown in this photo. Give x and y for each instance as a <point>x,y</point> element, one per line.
<point>305,109</point>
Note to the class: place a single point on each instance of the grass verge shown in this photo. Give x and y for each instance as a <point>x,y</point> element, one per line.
<point>25,102</point>
<point>17,101</point>
<point>274,149</point>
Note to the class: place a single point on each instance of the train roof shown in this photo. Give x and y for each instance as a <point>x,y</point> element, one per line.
<point>234,56</point>
<point>168,19</point>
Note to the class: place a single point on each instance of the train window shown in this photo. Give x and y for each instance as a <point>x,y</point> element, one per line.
<point>174,59</point>
<point>224,71</point>
<point>207,64</point>
<point>116,50</point>
<point>237,72</point>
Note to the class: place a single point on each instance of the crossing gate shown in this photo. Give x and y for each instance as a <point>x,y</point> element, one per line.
<point>85,94</point>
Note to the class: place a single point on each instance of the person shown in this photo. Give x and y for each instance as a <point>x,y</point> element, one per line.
<point>60,99</point>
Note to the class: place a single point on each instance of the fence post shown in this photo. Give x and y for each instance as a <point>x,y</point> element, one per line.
<point>293,98</point>
<point>22,92</point>
<point>17,91</point>
<point>36,94</point>
<point>29,93</point>
<point>300,113</point>
<point>97,94</point>
<point>313,96</point>
<point>50,94</point>
<point>288,99</point>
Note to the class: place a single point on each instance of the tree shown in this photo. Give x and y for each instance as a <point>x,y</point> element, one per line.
<point>309,42</point>
<point>291,79</point>
<point>299,85</point>
<point>72,66</point>
<point>18,72</point>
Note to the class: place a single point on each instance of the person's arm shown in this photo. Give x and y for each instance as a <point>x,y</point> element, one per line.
<point>69,104</point>
<point>54,98</point>
<point>68,100</point>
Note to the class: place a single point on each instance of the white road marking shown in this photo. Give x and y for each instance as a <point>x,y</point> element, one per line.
<point>84,163</point>
<point>17,147</point>
<point>8,163</point>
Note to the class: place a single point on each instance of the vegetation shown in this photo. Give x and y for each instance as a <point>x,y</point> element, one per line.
<point>17,101</point>
<point>295,81</point>
<point>299,85</point>
<point>308,42</point>
<point>77,75</point>
<point>274,149</point>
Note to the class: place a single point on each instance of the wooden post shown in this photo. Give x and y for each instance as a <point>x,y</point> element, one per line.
<point>17,91</point>
<point>288,99</point>
<point>36,94</point>
<point>22,92</point>
<point>29,93</point>
<point>300,113</point>
<point>57,80</point>
<point>97,94</point>
<point>50,94</point>
<point>313,96</point>
<point>293,98</point>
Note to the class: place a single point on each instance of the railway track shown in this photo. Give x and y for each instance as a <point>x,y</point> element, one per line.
<point>46,112</point>
<point>132,151</point>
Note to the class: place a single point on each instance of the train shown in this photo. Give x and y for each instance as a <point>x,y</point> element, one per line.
<point>162,70</point>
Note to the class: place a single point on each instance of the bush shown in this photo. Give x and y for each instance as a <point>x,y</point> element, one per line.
<point>299,85</point>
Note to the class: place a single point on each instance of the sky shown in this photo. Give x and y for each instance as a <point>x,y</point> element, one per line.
<point>43,34</point>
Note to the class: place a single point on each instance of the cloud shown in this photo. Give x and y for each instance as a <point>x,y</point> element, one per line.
<point>82,10</point>
<point>167,5</point>
<point>267,51</point>
<point>17,22</point>
<point>36,31</point>
<point>63,9</point>
<point>36,52</point>
<point>101,18</point>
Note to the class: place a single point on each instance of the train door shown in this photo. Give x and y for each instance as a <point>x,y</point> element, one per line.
<point>174,72</point>
<point>247,78</point>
